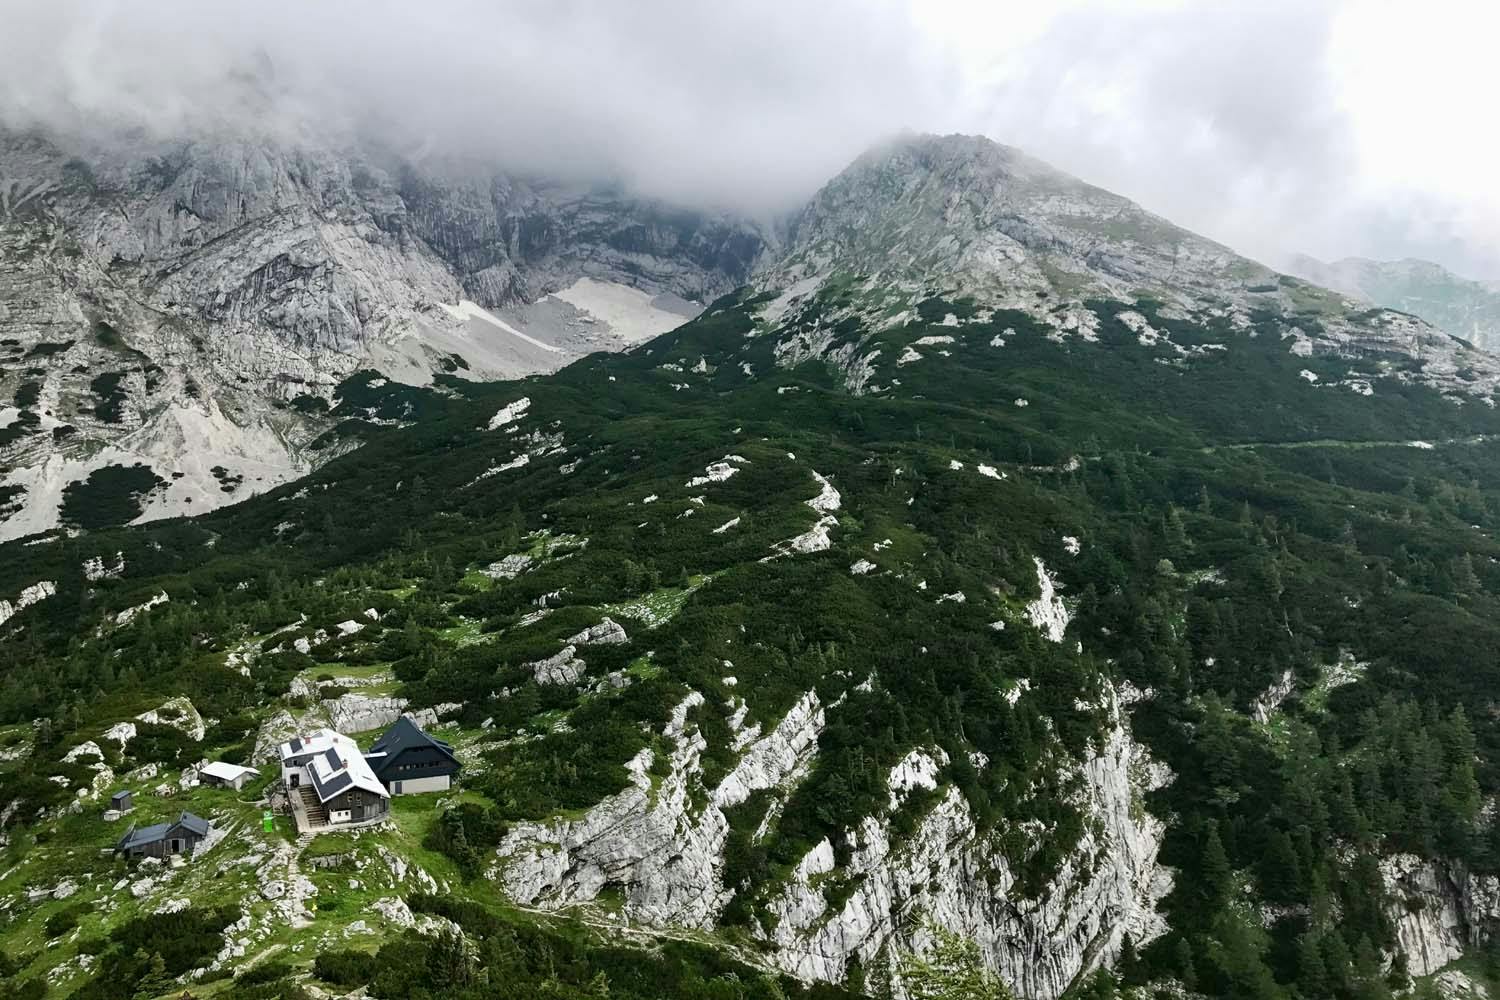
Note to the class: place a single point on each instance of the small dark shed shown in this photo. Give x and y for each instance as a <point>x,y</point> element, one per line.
<point>180,836</point>
<point>121,801</point>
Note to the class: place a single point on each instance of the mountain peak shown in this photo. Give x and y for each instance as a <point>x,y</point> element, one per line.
<point>960,211</point>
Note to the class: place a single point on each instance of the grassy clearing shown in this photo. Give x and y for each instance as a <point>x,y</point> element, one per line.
<point>659,606</point>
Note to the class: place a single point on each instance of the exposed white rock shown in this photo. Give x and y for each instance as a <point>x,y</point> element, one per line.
<point>357,713</point>
<point>956,876</point>
<point>508,568</point>
<point>607,632</point>
<point>733,522</point>
<point>862,566</point>
<point>1048,612</point>
<point>86,749</point>
<point>1439,910</point>
<point>510,413</point>
<point>178,713</point>
<point>1271,698</point>
<point>816,538</point>
<point>129,614</point>
<point>1455,984</point>
<point>395,911</point>
<point>563,667</point>
<point>29,596</point>
<point>991,471</point>
<point>1071,545</point>
<point>350,627</point>
<point>121,732</point>
<point>95,568</point>
<point>650,840</point>
<point>717,472</point>
<point>918,769</point>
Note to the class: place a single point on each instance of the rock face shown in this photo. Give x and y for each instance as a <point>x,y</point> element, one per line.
<point>1439,910</point>
<point>666,855</point>
<point>162,302</point>
<point>357,713</point>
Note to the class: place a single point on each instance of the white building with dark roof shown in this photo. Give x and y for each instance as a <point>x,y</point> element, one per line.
<point>331,781</point>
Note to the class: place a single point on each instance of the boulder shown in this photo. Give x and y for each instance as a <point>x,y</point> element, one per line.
<point>607,632</point>
<point>356,713</point>
<point>562,668</point>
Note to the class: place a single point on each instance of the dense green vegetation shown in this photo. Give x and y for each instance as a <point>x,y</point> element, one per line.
<point>109,496</point>
<point>502,957</point>
<point>1230,532</point>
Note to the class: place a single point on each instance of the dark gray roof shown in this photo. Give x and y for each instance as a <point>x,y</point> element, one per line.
<point>157,832</point>
<point>119,796</point>
<point>193,824</point>
<point>140,836</point>
<point>404,734</point>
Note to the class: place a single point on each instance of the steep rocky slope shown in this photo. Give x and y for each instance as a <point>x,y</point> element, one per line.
<point>963,216</point>
<point>1460,306</point>
<point>192,306</point>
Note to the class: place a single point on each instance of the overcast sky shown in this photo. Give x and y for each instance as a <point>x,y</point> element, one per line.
<point>1335,128</point>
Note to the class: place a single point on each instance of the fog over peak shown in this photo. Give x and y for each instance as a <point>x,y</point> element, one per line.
<point>1272,126</point>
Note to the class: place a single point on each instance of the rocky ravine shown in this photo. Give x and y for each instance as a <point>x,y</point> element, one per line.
<point>191,305</point>
<point>665,855</point>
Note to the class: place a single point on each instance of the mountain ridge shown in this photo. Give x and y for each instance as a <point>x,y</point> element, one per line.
<point>1464,307</point>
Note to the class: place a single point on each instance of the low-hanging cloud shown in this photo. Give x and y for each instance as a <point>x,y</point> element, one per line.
<point>1229,118</point>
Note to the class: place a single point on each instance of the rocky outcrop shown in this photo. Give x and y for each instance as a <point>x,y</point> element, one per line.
<point>608,632</point>
<point>1269,700</point>
<point>563,667</point>
<point>28,596</point>
<point>358,713</point>
<point>650,840</point>
<point>1439,910</point>
<point>1048,612</point>
<point>180,714</point>
<point>959,878</point>
<point>664,853</point>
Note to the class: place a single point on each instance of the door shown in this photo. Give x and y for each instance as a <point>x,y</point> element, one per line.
<point>176,846</point>
<point>296,779</point>
<point>395,788</point>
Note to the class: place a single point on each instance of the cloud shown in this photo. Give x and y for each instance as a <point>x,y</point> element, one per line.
<point>751,104</point>
<point>1275,126</point>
